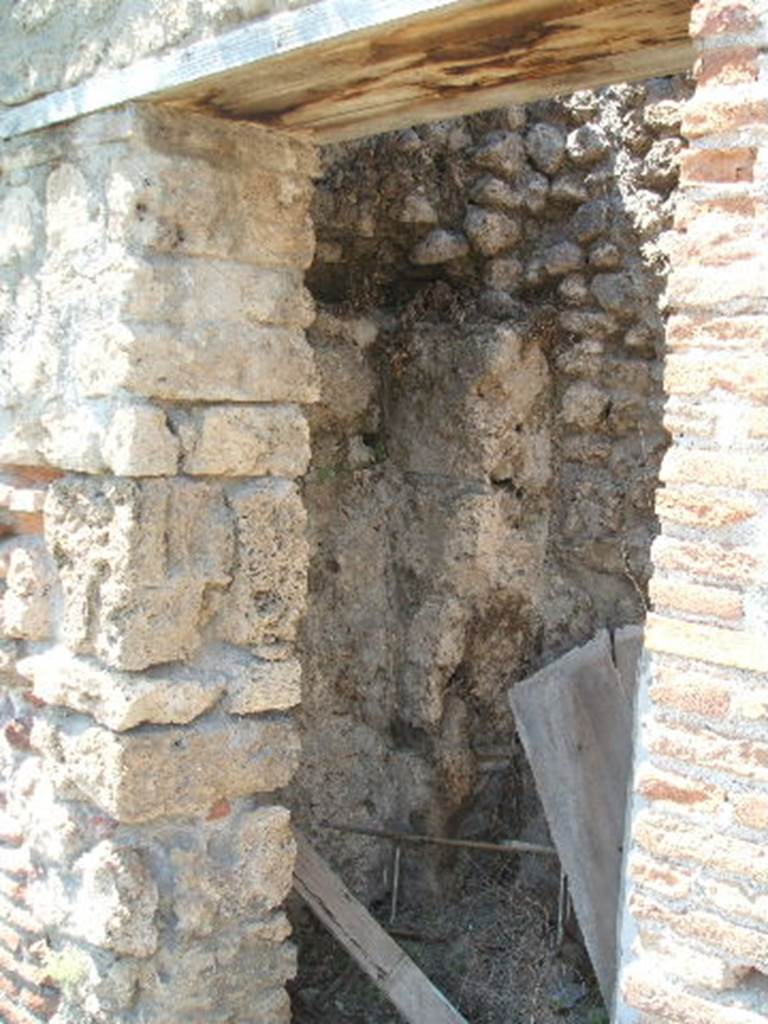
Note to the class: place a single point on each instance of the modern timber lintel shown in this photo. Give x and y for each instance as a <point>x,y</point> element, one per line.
<point>341,69</point>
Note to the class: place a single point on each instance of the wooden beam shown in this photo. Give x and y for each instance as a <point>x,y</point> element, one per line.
<point>388,966</point>
<point>575,720</point>
<point>338,69</point>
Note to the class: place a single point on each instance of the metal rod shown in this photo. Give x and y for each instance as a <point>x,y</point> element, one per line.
<point>395,885</point>
<point>509,845</point>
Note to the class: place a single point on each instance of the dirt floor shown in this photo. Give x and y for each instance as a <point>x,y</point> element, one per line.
<point>490,945</point>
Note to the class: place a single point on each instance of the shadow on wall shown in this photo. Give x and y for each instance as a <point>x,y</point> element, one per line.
<point>485,455</point>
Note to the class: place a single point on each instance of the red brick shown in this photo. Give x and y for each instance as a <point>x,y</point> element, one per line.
<point>713,246</point>
<point>689,420</point>
<point>752,811</point>
<point>715,332</point>
<point>14,1014</point>
<point>745,943</point>
<point>748,472</point>
<point>704,115</point>
<point>26,476</point>
<point>676,838</point>
<point>700,641</point>
<point>705,559</point>
<point>700,165</point>
<point>695,599</point>
<point>30,974</point>
<point>665,787</point>
<point>742,758</point>
<point>691,285</point>
<point>28,523</point>
<point>13,889</point>
<point>741,208</point>
<point>665,879</point>
<point>17,734</point>
<point>10,833</point>
<point>689,691</point>
<point>710,970</point>
<point>41,1004</point>
<point>735,902</point>
<point>733,65</point>
<point>758,423</point>
<point>219,810</point>
<point>645,990</point>
<point>703,507</point>
<point>723,17</point>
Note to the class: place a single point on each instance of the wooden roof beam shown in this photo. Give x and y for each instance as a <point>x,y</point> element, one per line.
<point>340,69</point>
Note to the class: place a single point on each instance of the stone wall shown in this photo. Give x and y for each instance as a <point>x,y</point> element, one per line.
<point>695,939</point>
<point>153,368</point>
<point>486,446</point>
<point>46,45</point>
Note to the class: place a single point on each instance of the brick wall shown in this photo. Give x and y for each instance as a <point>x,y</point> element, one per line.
<point>152,362</point>
<point>696,928</point>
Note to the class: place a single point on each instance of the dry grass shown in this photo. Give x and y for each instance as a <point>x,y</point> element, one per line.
<point>490,949</point>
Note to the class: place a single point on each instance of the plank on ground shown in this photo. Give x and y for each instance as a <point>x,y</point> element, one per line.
<point>388,966</point>
<point>575,721</point>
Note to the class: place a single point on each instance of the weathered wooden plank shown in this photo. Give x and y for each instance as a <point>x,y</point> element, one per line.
<point>344,68</point>
<point>575,720</point>
<point>389,967</point>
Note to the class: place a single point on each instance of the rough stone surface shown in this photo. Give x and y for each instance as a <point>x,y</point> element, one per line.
<point>266,596</point>
<point>168,545</point>
<point>190,768</point>
<point>173,216</point>
<point>116,901</point>
<point>254,440</point>
<point>152,314</point>
<point>47,46</point>
<point>122,700</point>
<point>139,443</point>
<point>481,489</point>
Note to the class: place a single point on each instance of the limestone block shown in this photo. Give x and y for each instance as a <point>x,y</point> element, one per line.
<point>186,290</point>
<point>268,589</point>
<point>26,610</point>
<point>115,901</point>
<point>121,700</point>
<point>136,561</point>
<point>98,986</point>
<point>234,976</point>
<point>20,224</point>
<point>73,220</point>
<point>190,768</point>
<point>196,203</point>
<point>243,869</point>
<point>347,384</point>
<point>73,435</point>
<point>139,443</point>
<point>265,686</point>
<point>249,441</point>
<point>230,361</point>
